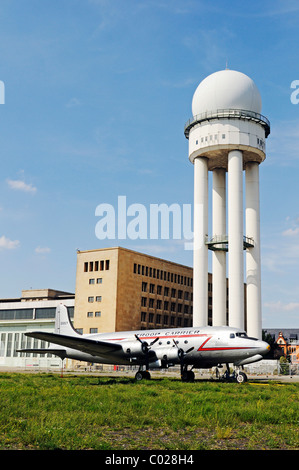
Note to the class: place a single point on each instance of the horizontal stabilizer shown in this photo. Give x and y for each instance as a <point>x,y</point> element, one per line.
<point>88,346</point>
<point>57,352</point>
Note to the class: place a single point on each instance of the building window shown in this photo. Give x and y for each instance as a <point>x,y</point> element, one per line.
<point>144,287</point>
<point>93,330</point>
<point>158,319</point>
<point>98,314</point>
<point>91,281</point>
<point>143,301</point>
<point>107,264</point>
<point>98,298</point>
<point>90,299</point>
<point>152,288</point>
<point>85,267</point>
<point>99,280</point>
<point>89,314</point>
<point>143,316</point>
<point>46,312</point>
<point>151,303</point>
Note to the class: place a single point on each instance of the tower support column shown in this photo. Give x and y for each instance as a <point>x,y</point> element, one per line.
<point>219,256</point>
<point>200,249</point>
<point>235,239</point>
<point>253,265</point>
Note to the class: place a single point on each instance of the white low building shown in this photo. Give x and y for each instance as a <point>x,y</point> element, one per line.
<point>35,310</point>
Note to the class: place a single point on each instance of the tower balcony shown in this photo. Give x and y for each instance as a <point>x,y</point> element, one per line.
<point>227,114</point>
<point>220,242</point>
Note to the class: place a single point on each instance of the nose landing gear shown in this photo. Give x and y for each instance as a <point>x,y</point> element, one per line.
<point>236,376</point>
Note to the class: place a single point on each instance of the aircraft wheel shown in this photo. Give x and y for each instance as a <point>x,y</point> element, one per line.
<point>139,376</point>
<point>142,375</point>
<point>188,376</point>
<point>241,378</point>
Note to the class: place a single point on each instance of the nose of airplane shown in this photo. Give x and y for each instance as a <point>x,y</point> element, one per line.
<point>264,348</point>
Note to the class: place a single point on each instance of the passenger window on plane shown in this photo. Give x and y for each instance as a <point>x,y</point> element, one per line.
<point>232,335</point>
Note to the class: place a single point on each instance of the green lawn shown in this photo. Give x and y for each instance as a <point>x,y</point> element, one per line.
<point>46,411</point>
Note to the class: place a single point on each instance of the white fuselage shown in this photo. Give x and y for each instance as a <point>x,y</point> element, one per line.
<point>202,347</point>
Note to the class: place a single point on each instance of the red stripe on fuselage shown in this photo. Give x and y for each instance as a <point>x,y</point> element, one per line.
<point>222,348</point>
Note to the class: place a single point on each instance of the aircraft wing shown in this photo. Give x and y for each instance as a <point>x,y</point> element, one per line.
<point>89,346</point>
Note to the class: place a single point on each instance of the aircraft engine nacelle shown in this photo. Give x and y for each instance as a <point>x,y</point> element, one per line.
<point>169,355</point>
<point>135,348</point>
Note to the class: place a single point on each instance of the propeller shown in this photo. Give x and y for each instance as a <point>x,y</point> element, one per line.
<point>145,347</point>
<point>182,354</point>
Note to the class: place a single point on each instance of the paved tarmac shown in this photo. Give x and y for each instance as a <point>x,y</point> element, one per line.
<point>257,378</point>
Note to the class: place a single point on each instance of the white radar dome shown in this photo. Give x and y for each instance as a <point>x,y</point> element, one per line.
<point>226,89</point>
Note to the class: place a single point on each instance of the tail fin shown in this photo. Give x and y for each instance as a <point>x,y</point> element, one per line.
<point>63,324</point>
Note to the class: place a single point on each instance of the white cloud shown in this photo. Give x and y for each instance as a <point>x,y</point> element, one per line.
<point>7,244</point>
<point>20,185</point>
<point>291,232</point>
<point>42,250</point>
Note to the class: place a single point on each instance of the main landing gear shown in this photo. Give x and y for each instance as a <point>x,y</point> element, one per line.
<point>236,376</point>
<point>187,375</point>
<point>142,374</point>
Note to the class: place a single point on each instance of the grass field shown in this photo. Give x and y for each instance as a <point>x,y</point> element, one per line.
<point>46,411</point>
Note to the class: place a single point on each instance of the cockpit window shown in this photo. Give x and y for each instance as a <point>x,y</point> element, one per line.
<point>242,334</point>
<point>232,335</point>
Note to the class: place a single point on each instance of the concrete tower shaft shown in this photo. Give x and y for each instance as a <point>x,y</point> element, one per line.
<point>227,135</point>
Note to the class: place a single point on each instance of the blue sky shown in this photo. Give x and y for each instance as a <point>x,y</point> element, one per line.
<point>97,93</point>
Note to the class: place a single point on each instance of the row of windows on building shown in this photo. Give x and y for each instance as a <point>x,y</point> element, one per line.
<point>97,298</point>
<point>98,280</point>
<point>214,138</point>
<point>163,275</point>
<point>166,291</point>
<point>94,314</point>
<point>208,138</point>
<point>166,305</point>
<point>11,342</point>
<point>31,313</point>
<point>164,320</point>
<point>91,266</point>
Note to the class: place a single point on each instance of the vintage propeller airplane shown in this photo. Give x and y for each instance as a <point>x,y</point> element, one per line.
<point>196,348</point>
